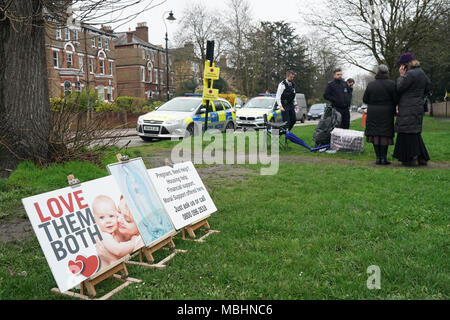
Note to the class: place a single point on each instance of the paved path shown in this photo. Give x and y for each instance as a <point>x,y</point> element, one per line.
<point>130,136</point>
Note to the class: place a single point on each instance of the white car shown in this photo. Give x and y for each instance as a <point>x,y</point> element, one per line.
<point>176,118</point>
<point>252,114</point>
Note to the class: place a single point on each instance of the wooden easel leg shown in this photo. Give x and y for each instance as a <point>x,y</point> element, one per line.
<point>191,230</point>
<point>148,252</point>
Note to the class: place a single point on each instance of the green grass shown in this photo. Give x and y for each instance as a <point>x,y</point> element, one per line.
<point>310,232</point>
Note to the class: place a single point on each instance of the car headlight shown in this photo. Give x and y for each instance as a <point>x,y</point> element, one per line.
<point>173,122</point>
<point>141,120</point>
<point>259,118</point>
<point>309,114</point>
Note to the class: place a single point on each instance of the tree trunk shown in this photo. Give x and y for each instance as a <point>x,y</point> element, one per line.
<point>25,118</point>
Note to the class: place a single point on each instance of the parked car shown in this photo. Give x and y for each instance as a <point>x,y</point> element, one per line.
<point>362,108</point>
<point>302,107</point>
<point>175,118</point>
<point>252,114</point>
<point>316,111</point>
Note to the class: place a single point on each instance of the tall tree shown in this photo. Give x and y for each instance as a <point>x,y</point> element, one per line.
<point>372,32</point>
<point>198,25</point>
<point>25,119</point>
<point>275,48</point>
<point>238,25</point>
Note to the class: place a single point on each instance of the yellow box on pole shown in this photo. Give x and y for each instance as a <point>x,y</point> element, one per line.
<point>211,73</point>
<point>210,94</point>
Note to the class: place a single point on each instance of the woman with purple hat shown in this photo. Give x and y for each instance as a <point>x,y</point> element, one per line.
<point>412,86</point>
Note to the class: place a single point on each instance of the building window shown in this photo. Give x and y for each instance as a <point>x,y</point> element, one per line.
<point>76,35</point>
<point>91,65</point>
<point>110,68</point>
<point>143,74</point>
<point>162,76</point>
<point>106,44</point>
<point>100,42</point>
<point>55,59</point>
<point>67,88</point>
<point>78,86</point>
<point>80,63</point>
<point>150,74</point>
<point>102,66</point>
<point>143,54</point>
<point>101,92</point>
<point>109,88</point>
<point>66,34</point>
<point>69,60</point>
<point>58,34</point>
<point>93,42</point>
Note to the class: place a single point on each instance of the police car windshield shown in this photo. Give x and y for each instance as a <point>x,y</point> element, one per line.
<point>261,103</point>
<point>181,105</point>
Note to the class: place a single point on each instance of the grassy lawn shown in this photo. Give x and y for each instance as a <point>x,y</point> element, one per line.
<point>309,232</point>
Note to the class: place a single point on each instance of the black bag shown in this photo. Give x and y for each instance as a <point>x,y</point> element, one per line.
<point>331,119</point>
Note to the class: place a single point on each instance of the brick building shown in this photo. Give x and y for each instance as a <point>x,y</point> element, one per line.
<point>141,66</point>
<point>81,56</point>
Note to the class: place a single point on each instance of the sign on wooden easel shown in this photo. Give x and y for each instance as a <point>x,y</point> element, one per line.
<point>149,213</point>
<point>84,230</point>
<point>184,197</point>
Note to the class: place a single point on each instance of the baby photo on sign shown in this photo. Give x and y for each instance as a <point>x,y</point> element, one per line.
<point>83,230</point>
<point>143,201</point>
<point>118,229</point>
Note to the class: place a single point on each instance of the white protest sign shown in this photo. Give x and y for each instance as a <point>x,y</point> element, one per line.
<point>183,194</point>
<point>71,224</point>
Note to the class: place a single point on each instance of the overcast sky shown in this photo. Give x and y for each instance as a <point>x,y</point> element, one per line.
<point>267,10</point>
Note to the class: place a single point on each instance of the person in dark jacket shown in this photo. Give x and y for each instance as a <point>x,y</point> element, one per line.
<point>339,94</point>
<point>381,99</point>
<point>413,86</point>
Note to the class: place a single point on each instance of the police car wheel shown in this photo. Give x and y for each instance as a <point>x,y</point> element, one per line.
<point>230,126</point>
<point>190,130</point>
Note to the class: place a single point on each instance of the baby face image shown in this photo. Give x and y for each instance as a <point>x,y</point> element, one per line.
<point>105,214</point>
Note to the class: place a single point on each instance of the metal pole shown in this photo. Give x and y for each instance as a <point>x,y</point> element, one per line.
<point>167,67</point>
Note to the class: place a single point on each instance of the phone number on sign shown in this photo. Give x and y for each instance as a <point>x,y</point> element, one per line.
<point>194,212</point>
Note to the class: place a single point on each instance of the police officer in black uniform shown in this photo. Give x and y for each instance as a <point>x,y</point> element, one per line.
<point>286,100</point>
<point>339,93</point>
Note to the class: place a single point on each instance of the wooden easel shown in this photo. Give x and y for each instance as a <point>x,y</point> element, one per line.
<point>148,252</point>
<point>110,272</point>
<point>195,226</point>
<point>90,283</point>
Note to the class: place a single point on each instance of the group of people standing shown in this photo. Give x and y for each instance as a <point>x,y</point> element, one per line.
<point>382,97</point>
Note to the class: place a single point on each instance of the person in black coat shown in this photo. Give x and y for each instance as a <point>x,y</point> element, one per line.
<point>413,86</point>
<point>339,93</point>
<point>381,99</point>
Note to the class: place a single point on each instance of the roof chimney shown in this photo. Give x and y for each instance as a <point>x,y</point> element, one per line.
<point>142,31</point>
<point>107,29</point>
<point>130,36</point>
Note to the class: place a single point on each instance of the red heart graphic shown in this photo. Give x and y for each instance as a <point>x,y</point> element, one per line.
<point>91,265</point>
<point>76,267</point>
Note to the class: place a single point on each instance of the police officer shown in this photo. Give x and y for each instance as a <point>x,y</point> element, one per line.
<point>339,93</point>
<point>286,99</point>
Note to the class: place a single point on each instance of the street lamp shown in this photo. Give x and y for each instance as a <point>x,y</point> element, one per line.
<point>171,19</point>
